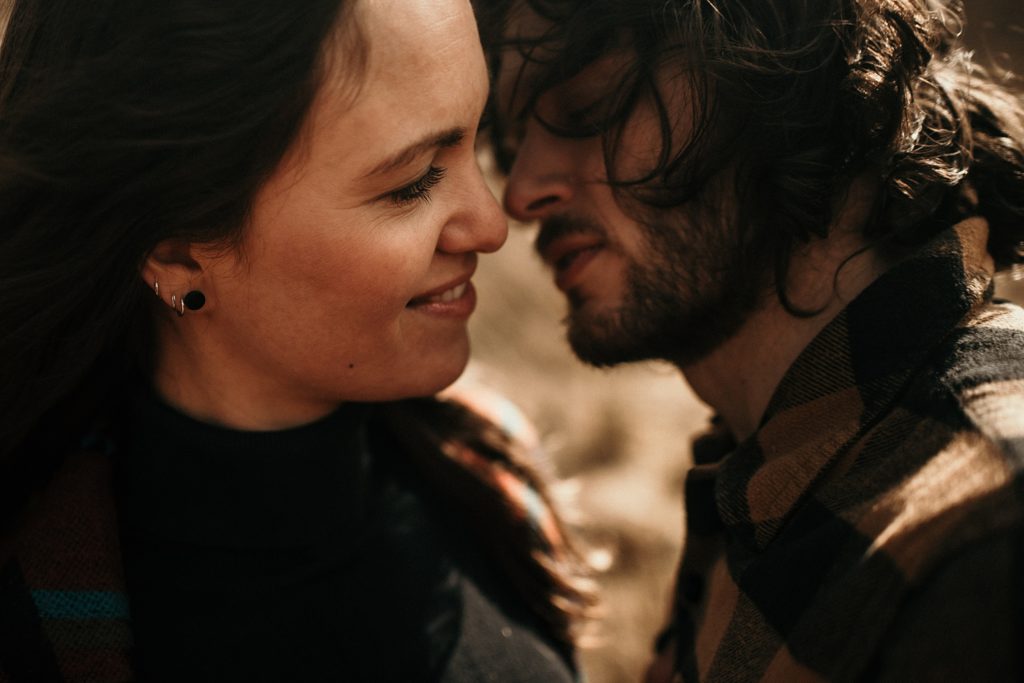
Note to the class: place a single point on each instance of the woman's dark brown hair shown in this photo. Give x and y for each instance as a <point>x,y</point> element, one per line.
<point>123,124</point>
<point>798,98</point>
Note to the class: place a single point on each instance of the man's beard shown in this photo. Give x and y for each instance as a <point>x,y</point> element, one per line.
<point>687,297</point>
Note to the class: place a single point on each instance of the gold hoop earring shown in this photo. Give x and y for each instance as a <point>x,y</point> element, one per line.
<point>156,288</point>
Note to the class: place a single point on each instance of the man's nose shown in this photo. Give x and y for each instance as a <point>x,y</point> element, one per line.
<point>540,181</point>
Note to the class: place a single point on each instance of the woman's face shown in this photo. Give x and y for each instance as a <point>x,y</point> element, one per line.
<point>353,280</point>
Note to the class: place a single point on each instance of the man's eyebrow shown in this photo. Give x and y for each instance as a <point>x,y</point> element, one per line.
<point>442,140</point>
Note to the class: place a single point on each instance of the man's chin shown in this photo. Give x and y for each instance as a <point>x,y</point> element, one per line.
<point>607,340</point>
<point>601,341</point>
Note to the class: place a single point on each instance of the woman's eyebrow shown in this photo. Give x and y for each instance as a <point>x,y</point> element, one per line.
<point>443,140</point>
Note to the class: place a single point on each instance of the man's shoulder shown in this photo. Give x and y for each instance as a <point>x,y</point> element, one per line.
<point>963,620</point>
<point>961,447</point>
<point>983,368</point>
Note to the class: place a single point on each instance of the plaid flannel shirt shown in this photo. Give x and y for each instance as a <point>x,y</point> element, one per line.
<point>871,528</point>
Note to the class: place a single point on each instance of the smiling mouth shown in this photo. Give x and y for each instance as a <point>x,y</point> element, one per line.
<point>447,296</point>
<point>457,302</point>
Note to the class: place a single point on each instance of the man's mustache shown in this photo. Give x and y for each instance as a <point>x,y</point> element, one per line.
<point>556,227</point>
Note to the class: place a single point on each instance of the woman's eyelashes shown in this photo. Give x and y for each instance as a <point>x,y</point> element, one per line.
<point>418,190</point>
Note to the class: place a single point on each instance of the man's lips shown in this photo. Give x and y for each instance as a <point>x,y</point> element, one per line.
<point>559,251</point>
<point>569,255</point>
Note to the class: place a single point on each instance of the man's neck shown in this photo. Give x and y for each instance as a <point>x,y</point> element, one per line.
<point>739,377</point>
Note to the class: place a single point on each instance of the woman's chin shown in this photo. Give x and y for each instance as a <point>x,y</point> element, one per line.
<point>444,377</point>
<point>427,377</point>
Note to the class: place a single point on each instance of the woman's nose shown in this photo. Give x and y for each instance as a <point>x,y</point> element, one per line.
<point>493,224</point>
<point>481,226</point>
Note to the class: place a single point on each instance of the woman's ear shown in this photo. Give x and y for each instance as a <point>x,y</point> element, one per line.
<point>172,272</point>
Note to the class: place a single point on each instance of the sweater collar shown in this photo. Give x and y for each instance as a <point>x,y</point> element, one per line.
<point>188,481</point>
<point>847,377</point>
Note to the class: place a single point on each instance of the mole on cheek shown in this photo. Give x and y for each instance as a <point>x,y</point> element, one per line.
<point>351,365</point>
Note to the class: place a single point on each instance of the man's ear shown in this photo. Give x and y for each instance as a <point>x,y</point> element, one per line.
<point>171,270</point>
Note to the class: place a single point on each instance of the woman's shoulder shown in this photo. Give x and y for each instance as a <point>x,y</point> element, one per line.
<point>496,408</point>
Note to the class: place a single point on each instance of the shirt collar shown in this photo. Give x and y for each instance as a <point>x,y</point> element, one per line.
<point>183,480</point>
<point>848,376</point>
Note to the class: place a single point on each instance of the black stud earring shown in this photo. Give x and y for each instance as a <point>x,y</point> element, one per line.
<point>194,300</point>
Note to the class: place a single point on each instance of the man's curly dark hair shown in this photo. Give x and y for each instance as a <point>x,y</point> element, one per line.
<point>798,98</point>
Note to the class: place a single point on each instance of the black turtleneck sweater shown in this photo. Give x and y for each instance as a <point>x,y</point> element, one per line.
<point>299,555</point>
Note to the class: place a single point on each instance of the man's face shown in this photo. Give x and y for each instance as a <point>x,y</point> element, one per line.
<point>663,286</point>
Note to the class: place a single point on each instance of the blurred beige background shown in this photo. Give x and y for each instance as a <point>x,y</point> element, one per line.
<point>619,439</point>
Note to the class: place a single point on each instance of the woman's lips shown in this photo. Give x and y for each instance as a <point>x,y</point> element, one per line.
<point>447,296</point>
<point>456,301</point>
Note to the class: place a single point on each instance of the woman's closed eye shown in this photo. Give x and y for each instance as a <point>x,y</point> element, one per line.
<point>418,190</point>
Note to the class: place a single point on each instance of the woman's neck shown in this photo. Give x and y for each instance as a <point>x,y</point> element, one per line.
<point>202,382</point>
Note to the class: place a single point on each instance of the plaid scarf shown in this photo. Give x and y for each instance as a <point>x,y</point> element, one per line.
<point>64,612</point>
<point>871,528</point>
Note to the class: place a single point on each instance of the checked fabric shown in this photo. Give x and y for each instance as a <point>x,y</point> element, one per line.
<point>871,528</point>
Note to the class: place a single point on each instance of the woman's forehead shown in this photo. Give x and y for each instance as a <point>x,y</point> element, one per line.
<point>421,70</point>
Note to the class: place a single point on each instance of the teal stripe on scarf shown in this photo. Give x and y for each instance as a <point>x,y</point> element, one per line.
<point>80,604</point>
